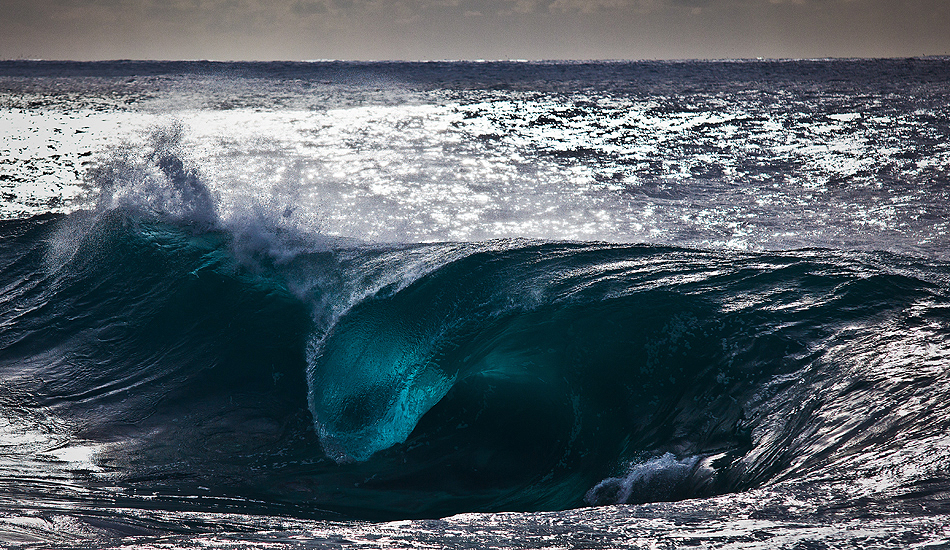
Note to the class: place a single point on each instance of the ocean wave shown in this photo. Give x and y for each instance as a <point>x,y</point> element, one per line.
<point>177,354</point>
<point>422,380</point>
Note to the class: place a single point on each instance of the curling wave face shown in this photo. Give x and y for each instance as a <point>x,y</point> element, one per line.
<point>206,364</point>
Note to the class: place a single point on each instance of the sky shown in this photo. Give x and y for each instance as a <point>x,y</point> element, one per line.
<point>471,29</point>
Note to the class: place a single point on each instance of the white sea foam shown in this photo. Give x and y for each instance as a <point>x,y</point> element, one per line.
<point>657,479</point>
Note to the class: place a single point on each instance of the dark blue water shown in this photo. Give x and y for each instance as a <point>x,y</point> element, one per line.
<point>516,376</point>
<point>195,338</point>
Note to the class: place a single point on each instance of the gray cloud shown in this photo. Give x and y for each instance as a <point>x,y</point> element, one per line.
<point>297,29</point>
<point>589,6</point>
<point>309,7</point>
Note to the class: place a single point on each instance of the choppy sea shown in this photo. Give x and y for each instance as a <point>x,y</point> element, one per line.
<point>475,304</point>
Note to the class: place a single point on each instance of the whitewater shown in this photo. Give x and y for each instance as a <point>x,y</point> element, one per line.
<point>475,304</point>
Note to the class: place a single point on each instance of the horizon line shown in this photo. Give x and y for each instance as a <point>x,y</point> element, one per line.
<point>473,60</point>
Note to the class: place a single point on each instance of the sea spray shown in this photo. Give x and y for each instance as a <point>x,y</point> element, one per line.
<point>664,478</point>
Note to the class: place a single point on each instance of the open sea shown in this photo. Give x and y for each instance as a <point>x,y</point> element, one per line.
<point>475,305</point>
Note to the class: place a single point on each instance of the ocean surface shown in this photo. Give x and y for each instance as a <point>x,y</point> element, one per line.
<point>475,304</point>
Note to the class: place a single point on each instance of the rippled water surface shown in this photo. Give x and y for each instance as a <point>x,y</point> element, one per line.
<point>565,305</point>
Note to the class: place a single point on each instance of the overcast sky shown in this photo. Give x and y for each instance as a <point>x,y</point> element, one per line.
<point>471,29</point>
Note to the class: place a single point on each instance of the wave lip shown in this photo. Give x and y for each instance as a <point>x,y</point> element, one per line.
<point>369,391</point>
<point>389,359</point>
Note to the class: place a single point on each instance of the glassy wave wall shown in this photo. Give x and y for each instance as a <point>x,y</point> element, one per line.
<point>506,375</point>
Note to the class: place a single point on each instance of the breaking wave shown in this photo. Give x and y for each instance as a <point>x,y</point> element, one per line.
<point>249,362</point>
